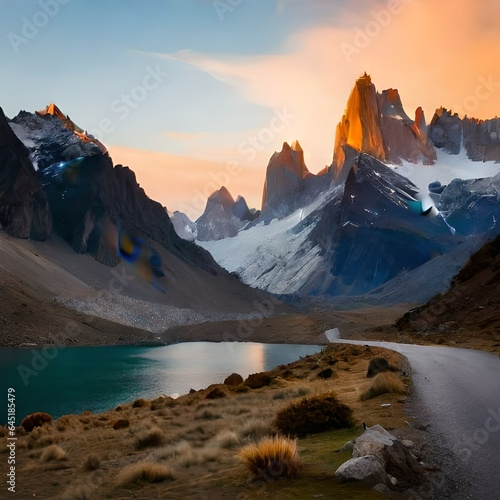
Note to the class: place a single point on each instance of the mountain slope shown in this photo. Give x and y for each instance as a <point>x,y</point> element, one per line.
<point>472,302</point>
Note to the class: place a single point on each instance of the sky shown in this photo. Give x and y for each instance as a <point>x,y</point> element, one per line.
<point>195,94</point>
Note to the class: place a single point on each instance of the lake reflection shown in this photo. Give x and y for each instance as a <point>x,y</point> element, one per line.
<point>100,378</point>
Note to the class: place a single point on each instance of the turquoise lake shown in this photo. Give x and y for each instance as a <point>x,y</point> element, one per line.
<point>75,379</point>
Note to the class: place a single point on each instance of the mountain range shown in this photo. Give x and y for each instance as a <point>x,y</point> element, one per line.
<point>379,210</point>
<point>75,225</point>
<point>402,206</point>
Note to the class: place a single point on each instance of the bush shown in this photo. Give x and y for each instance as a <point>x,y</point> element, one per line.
<point>233,379</point>
<point>326,373</point>
<point>377,365</point>
<point>149,438</point>
<point>314,414</point>
<point>258,380</point>
<point>29,422</point>
<point>150,472</point>
<point>53,452</point>
<point>272,457</point>
<point>139,403</point>
<point>122,423</point>
<point>216,393</point>
<point>383,383</point>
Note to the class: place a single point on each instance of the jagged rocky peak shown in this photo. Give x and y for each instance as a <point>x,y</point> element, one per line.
<point>24,209</point>
<point>480,138</point>
<point>359,127</point>
<point>222,197</point>
<point>223,216</point>
<point>284,178</point>
<point>377,124</point>
<point>446,131</point>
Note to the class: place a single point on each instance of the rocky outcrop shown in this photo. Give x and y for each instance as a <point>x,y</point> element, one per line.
<point>289,185</point>
<point>480,138</point>
<point>223,216</point>
<point>359,127</point>
<point>24,210</point>
<point>49,140</point>
<point>372,233</point>
<point>446,131</point>
<point>376,123</point>
<point>184,226</point>
<point>381,458</point>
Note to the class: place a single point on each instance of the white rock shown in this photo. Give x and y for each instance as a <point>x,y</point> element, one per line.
<point>366,469</point>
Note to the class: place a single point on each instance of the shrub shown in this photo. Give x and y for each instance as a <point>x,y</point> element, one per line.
<point>149,438</point>
<point>233,379</point>
<point>377,365</point>
<point>216,393</point>
<point>122,423</point>
<point>139,403</point>
<point>383,383</point>
<point>272,457</point>
<point>314,414</point>
<point>150,472</point>
<point>326,373</point>
<point>37,419</point>
<point>258,380</point>
<point>53,452</point>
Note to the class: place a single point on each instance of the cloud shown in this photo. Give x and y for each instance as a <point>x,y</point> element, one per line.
<point>435,53</point>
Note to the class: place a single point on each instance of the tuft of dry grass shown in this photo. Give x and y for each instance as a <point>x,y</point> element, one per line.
<point>272,457</point>
<point>53,452</point>
<point>226,439</point>
<point>383,383</point>
<point>150,472</point>
<point>78,492</point>
<point>255,429</point>
<point>149,438</point>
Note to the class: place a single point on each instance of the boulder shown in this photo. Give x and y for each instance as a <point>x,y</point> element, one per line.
<point>396,458</point>
<point>372,441</point>
<point>367,469</point>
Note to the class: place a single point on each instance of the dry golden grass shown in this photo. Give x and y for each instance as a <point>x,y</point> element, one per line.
<point>53,452</point>
<point>150,472</point>
<point>149,438</point>
<point>226,439</point>
<point>256,429</point>
<point>272,457</point>
<point>383,383</point>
